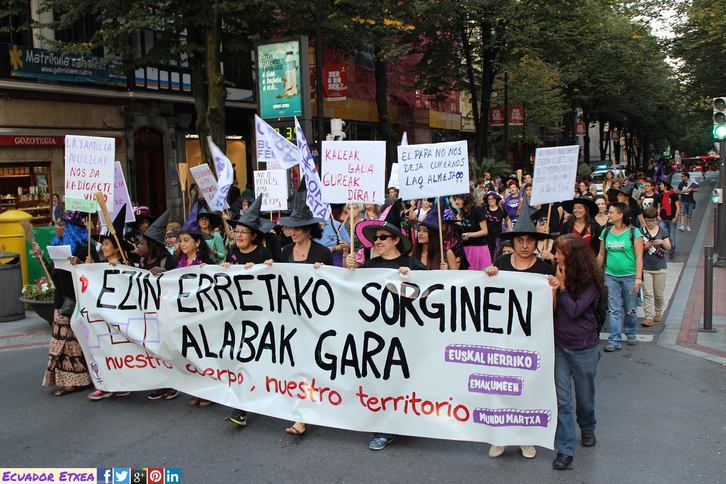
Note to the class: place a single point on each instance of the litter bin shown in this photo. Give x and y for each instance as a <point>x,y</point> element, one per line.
<point>11,287</point>
<point>12,237</point>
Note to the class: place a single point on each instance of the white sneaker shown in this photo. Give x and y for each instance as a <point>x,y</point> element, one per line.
<point>496,450</point>
<point>688,228</point>
<point>528,451</point>
<point>681,228</point>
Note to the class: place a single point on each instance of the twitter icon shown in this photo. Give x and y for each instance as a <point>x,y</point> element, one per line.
<point>121,475</point>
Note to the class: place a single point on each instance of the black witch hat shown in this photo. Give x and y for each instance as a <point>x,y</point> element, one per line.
<point>300,213</point>
<point>157,230</point>
<point>591,206</point>
<point>214,219</point>
<point>118,225</point>
<point>251,218</point>
<point>524,225</point>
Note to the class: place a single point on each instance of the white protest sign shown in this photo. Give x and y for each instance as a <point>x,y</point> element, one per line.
<point>354,171</point>
<point>60,255</point>
<point>272,148</point>
<point>393,179</point>
<point>89,168</point>
<point>458,360</point>
<point>272,185</point>
<point>554,175</point>
<point>433,170</point>
<point>206,182</point>
<point>120,196</point>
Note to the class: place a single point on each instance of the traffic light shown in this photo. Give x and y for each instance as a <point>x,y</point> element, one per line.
<point>717,195</point>
<point>719,118</point>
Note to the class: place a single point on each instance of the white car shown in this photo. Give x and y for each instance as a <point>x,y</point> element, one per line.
<point>599,176</point>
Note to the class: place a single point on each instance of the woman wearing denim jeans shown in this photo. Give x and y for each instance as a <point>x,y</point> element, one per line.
<point>576,344</point>
<point>621,255</point>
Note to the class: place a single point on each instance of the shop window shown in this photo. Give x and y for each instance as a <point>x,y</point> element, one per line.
<point>26,186</point>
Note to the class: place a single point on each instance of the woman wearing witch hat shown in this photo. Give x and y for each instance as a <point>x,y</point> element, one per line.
<point>583,221</point>
<point>524,239</point>
<point>247,251</point>
<point>392,245</point>
<point>208,224</point>
<point>152,247</point>
<point>428,248</point>
<point>303,250</point>
<point>114,254</point>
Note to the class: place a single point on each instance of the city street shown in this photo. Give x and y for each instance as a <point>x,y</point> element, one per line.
<point>660,420</point>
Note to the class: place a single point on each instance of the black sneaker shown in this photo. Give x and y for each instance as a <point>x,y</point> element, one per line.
<point>588,439</point>
<point>562,462</point>
<point>171,394</point>
<point>238,418</point>
<point>156,394</point>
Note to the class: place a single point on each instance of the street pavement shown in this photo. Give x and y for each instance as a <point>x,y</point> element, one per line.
<point>660,409</point>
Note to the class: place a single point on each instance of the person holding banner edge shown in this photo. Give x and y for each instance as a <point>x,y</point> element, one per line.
<point>524,239</point>
<point>392,245</point>
<point>303,250</point>
<point>577,349</point>
<point>247,251</point>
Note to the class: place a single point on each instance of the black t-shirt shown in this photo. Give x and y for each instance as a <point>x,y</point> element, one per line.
<point>648,200</point>
<point>400,261</point>
<point>318,253</point>
<point>494,220</point>
<point>259,255</point>
<point>504,263</point>
<point>168,263</point>
<point>470,223</point>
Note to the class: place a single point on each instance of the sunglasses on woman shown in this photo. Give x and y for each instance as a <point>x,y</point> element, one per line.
<point>381,237</point>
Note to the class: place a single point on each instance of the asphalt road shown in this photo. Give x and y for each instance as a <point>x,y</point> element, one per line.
<point>660,420</point>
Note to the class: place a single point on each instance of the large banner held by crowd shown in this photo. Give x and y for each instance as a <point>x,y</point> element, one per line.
<point>433,170</point>
<point>451,355</point>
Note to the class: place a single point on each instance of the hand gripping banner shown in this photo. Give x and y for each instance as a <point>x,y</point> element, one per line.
<point>442,354</point>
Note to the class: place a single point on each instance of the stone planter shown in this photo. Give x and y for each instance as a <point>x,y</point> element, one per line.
<point>44,309</point>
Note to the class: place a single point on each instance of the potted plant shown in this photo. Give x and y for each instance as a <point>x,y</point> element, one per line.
<point>40,297</point>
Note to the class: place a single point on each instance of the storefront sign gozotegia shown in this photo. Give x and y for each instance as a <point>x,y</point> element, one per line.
<point>451,355</point>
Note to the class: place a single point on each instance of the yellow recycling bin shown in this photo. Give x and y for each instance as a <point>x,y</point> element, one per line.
<point>12,237</point>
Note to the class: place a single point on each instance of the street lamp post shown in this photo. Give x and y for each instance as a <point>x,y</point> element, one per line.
<point>721,260</point>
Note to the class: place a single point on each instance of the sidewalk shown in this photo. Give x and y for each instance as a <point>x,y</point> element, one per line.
<point>685,315</point>
<point>29,332</point>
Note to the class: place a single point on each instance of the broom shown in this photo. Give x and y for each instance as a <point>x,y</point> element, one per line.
<point>109,222</point>
<point>30,236</point>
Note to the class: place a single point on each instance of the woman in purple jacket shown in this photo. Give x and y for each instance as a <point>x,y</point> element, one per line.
<point>576,343</point>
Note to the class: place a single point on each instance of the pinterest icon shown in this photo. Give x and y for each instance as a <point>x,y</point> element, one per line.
<point>154,476</point>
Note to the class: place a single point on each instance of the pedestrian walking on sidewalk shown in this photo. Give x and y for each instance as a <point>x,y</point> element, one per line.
<point>577,351</point>
<point>655,267</point>
<point>621,256</point>
<point>669,208</point>
<point>687,188</point>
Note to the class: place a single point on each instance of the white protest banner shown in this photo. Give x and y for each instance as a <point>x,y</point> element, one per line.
<point>272,185</point>
<point>205,181</point>
<point>453,358</point>
<point>310,173</point>
<point>89,168</point>
<point>272,148</point>
<point>120,196</point>
<point>433,170</point>
<point>354,171</point>
<point>225,177</point>
<point>554,175</point>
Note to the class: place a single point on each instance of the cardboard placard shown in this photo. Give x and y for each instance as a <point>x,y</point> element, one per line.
<point>354,171</point>
<point>554,175</point>
<point>89,168</point>
<point>433,170</point>
<point>272,185</point>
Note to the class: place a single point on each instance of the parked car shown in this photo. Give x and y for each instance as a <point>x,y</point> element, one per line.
<point>598,177</point>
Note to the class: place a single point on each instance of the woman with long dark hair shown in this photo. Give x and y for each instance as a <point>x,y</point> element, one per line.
<point>577,349</point>
<point>475,231</point>
<point>66,367</point>
<point>602,207</point>
<point>583,222</point>
<point>496,217</point>
<point>428,249</point>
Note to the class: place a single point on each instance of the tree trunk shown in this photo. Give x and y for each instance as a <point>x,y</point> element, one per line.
<point>384,122</point>
<point>216,90</point>
<point>473,91</point>
<point>604,138</point>
<point>488,73</point>
<point>197,65</point>
<point>586,138</point>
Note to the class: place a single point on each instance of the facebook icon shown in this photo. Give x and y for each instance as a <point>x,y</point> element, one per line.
<point>104,475</point>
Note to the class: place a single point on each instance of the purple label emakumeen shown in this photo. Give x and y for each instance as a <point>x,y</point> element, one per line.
<point>492,356</point>
<point>496,384</point>
<point>511,417</point>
